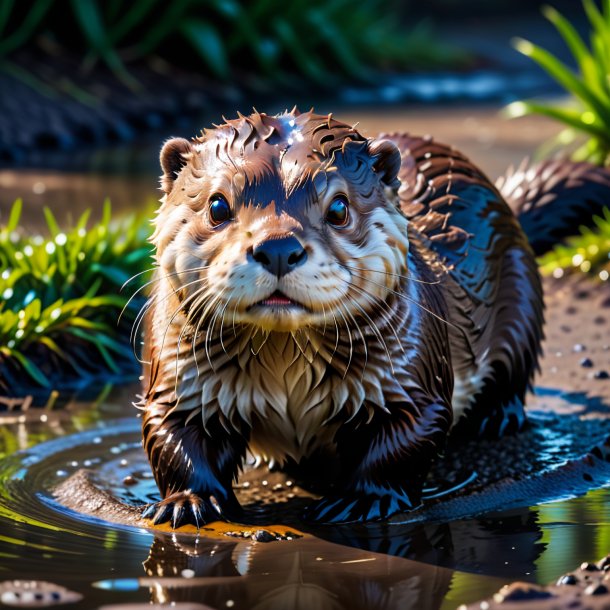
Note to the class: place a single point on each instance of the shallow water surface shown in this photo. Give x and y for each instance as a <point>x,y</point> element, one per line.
<point>459,548</point>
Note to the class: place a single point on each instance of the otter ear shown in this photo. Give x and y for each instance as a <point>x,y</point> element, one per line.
<point>386,160</point>
<point>173,159</point>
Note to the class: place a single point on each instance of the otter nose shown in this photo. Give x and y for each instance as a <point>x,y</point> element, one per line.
<point>281,255</point>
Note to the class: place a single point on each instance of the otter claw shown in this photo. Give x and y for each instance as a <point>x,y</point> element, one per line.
<point>356,508</point>
<point>182,508</point>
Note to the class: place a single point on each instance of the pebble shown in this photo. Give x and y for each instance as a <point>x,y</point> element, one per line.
<point>568,579</point>
<point>586,363</point>
<point>520,591</point>
<point>579,347</point>
<point>588,567</point>
<point>601,375</point>
<point>129,480</point>
<point>35,594</point>
<point>598,589</point>
<point>263,536</point>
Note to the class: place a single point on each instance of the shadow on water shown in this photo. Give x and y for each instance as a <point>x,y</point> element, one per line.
<point>459,547</point>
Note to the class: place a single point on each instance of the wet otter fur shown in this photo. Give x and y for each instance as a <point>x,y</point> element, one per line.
<point>336,305</point>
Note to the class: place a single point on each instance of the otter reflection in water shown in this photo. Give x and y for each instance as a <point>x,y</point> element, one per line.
<point>315,574</point>
<point>338,305</point>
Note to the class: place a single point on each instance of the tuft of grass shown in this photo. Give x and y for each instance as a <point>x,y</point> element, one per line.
<point>60,297</point>
<point>587,115</point>
<point>588,252</point>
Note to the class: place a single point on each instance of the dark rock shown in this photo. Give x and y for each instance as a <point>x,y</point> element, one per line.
<point>129,480</point>
<point>586,363</point>
<point>521,591</point>
<point>263,536</point>
<point>568,579</point>
<point>601,375</point>
<point>588,567</point>
<point>596,589</point>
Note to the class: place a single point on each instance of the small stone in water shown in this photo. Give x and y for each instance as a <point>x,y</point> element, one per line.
<point>568,579</point>
<point>598,589</point>
<point>35,594</point>
<point>129,480</point>
<point>263,536</point>
<point>586,363</point>
<point>520,591</point>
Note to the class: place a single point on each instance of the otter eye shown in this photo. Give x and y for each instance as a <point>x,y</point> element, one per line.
<point>220,211</point>
<point>337,212</point>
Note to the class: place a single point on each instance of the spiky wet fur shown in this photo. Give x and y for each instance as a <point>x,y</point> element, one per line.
<point>432,280</point>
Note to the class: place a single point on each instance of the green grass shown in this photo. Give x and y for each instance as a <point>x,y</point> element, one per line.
<point>587,114</point>
<point>60,297</point>
<point>588,252</point>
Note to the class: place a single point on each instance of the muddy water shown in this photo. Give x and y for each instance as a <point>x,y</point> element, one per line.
<point>419,561</point>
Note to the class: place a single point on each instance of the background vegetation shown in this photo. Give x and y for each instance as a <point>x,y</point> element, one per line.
<point>266,42</point>
<point>61,298</point>
<point>586,115</point>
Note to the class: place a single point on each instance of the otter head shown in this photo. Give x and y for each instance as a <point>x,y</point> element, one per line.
<point>281,222</point>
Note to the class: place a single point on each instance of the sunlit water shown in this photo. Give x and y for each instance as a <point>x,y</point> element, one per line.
<point>439,562</point>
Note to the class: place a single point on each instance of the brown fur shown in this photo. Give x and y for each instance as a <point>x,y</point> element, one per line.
<point>417,288</point>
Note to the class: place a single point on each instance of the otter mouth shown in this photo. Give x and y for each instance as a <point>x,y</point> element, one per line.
<point>278,300</point>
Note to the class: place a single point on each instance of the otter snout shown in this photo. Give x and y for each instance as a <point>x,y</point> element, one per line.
<point>279,255</point>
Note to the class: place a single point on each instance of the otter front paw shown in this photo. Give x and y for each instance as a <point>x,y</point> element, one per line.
<point>182,508</point>
<point>355,507</point>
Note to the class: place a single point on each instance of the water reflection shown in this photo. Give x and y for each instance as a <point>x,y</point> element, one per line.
<point>451,553</point>
<point>314,574</point>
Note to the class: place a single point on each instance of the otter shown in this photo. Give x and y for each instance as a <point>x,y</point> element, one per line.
<point>338,306</point>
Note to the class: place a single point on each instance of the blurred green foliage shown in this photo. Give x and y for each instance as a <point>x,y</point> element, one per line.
<point>60,296</point>
<point>587,252</point>
<point>263,41</point>
<point>587,115</point>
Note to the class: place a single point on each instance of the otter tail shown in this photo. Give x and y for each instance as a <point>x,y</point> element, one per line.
<point>553,198</point>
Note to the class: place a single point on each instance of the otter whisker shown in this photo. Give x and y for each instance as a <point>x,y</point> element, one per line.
<point>364,343</point>
<point>390,273</point>
<point>177,311</point>
<point>135,275</point>
<point>336,334</point>
<point>372,325</point>
<point>234,313</point>
<point>183,303</point>
<point>210,329</point>
<point>201,305</point>
<point>152,281</point>
<point>351,343</point>
<point>140,316</point>
<point>222,320</point>
<point>411,300</point>
<point>382,307</point>
<point>183,330</point>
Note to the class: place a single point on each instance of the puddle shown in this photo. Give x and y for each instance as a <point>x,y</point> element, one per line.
<point>461,547</point>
